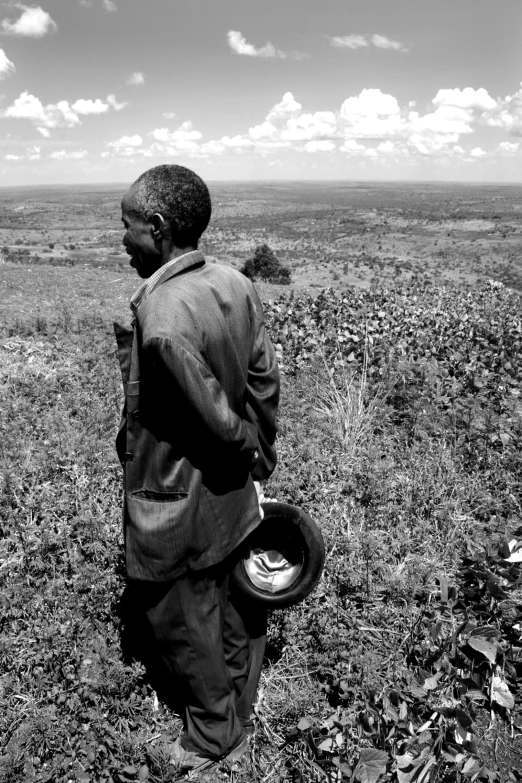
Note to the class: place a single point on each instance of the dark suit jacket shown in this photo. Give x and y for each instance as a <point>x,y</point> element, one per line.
<point>202,390</point>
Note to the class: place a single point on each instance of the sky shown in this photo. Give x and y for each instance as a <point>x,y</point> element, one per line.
<point>101,90</point>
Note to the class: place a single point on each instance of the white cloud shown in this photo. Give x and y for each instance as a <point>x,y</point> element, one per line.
<point>509,147</point>
<point>65,155</point>
<point>240,45</point>
<point>444,120</point>
<point>110,6</point>
<point>264,131</point>
<point>477,152</point>
<point>468,98</point>
<point>45,133</point>
<point>126,142</point>
<point>351,146</point>
<point>185,133</point>
<point>356,41</point>
<point>371,114</point>
<point>111,100</point>
<point>386,146</point>
<point>370,103</point>
<point>382,42</point>
<point>82,106</point>
<point>507,114</point>
<point>56,115</point>
<point>169,115</point>
<point>29,107</point>
<point>6,66</point>
<point>34,153</point>
<point>287,107</point>
<point>34,22</point>
<point>321,125</point>
<point>349,41</point>
<point>136,78</point>
<point>319,146</point>
<point>12,157</point>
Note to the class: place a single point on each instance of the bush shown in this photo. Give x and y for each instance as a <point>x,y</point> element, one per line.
<point>265,266</point>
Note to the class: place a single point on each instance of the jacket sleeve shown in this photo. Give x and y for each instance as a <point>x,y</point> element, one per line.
<point>204,401</point>
<point>263,397</point>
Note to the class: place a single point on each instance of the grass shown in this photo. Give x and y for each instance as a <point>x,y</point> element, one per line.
<point>412,499</point>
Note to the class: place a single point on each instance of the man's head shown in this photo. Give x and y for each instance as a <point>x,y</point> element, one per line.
<point>165,212</point>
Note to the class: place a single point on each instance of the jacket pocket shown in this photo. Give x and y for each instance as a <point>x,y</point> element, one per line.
<point>167,496</point>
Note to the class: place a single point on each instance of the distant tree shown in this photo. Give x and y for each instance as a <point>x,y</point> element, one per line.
<point>51,245</point>
<point>265,266</point>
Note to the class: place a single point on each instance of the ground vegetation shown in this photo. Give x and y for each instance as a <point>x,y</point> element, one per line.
<point>400,434</point>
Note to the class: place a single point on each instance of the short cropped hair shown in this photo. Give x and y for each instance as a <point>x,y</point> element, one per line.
<point>180,196</point>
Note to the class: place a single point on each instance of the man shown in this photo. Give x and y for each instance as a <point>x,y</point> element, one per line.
<point>202,389</point>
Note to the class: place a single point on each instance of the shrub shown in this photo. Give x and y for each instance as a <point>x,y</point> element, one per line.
<point>265,266</point>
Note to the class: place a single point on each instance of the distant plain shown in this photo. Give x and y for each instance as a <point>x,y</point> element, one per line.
<point>328,234</point>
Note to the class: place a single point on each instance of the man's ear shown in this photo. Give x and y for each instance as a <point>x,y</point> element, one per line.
<point>158,227</point>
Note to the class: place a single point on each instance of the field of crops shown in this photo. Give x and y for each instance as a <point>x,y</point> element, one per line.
<point>400,434</point>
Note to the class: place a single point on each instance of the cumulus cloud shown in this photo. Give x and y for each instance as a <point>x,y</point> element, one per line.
<point>34,153</point>
<point>307,127</point>
<point>319,146</point>
<point>240,45</point>
<point>395,131</point>
<point>44,132</point>
<point>371,115</point>
<point>507,114</point>
<point>168,115</point>
<point>370,103</point>
<point>444,120</point>
<point>386,146</point>
<point>349,41</point>
<point>110,6</point>
<point>54,115</point>
<point>82,106</point>
<point>351,146</point>
<point>382,42</point>
<point>111,100</point>
<point>12,157</point>
<point>6,66</point>
<point>126,142</point>
<point>33,22</point>
<point>356,41</point>
<point>509,147</point>
<point>68,155</point>
<point>184,136</point>
<point>136,78</point>
<point>468,98</point>
<point>264,131</point>
<point>287,107</point>
<point>29,107</point>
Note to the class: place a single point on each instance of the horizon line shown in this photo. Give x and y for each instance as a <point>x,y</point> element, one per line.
<point>124,183</point>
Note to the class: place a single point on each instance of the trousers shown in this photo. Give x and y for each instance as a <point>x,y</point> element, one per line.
<point>212,645</point>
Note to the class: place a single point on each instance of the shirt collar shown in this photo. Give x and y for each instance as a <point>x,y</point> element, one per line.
<point>146,287</point>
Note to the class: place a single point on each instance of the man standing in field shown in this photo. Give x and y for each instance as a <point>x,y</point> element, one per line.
<point>201,395</point>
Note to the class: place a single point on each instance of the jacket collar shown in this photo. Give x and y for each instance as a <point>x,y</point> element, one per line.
<point>189,260</point>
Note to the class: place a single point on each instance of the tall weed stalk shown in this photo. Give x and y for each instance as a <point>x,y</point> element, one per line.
<point>351,404</point>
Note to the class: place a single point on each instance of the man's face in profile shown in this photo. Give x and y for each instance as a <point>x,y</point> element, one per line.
<point>138,241</point>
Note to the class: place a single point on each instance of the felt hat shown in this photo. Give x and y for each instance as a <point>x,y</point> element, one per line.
<point>282,559</point>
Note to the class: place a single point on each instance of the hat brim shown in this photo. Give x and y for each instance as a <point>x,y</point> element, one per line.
<point>308,541</point>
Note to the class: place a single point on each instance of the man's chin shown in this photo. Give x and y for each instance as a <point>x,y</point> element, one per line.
<point>141,269</point>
